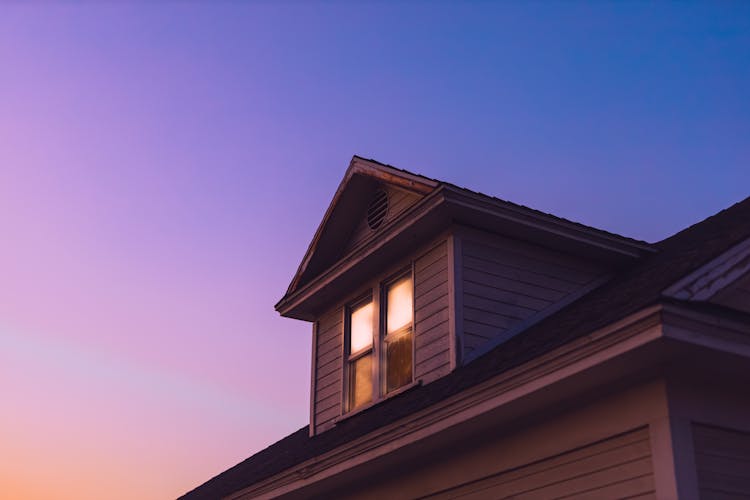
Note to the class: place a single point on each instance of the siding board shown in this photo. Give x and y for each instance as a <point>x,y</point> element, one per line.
<point>536,291</point>
<point>520,302</point>
<point>325,358</point>
<point>539,258</point>
<point>428,336</point>
<point>430,321</point>
<point>432,349</point>
<point>327,390</point>
<point>526,276</point>
<point>434,256</point>
<point>424,286</point>
<point>438,293</point>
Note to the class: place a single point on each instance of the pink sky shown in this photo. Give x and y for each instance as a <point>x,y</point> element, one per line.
<point>163,168</point>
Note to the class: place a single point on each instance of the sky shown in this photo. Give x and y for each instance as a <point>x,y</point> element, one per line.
<point>164,165</point>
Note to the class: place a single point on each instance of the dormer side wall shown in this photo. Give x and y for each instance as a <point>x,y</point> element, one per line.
<point>505,285</point>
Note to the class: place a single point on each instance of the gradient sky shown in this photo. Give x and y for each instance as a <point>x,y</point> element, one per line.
<point>164,166</point>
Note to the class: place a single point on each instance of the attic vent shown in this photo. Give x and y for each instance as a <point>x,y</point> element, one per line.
<point>377,209</point>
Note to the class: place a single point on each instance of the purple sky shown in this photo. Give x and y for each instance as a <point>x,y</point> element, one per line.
<point>163,168</point>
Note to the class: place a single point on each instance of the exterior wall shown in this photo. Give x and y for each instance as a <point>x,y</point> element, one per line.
<point>398,202</point>
<point>601,447</point>
<point>329,352</point>
<point>508,284</point>
<point>618,467</point>
<point>722,459</point>
<point>499,287</point>
<point>432,333</point>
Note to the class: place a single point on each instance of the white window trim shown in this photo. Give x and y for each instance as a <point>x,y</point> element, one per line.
<point>377,296</point>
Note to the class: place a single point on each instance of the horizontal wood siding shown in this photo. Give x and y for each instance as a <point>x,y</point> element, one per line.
<point>619,467</point>
<point>398,202</point>
<point>329,363</point>
<point>722,459</point>
<point>431,301</point>
<point>506,283</point>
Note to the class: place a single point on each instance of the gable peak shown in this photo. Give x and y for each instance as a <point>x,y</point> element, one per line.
<point>366,197</point>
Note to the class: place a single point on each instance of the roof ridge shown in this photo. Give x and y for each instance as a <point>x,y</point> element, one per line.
<point>509,202</point>
<point>716,218</point>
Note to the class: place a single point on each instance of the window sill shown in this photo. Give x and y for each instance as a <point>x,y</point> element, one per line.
<point>391,394</point>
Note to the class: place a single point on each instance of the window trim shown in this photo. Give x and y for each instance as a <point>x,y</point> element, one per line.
<point>351,357</point>
<point>377,295</point>
<point>383,336</point>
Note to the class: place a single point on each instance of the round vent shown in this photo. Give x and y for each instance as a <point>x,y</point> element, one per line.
<point>377,209</point>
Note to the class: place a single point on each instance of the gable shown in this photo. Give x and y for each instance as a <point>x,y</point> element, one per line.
<point>348,222</point>
<point>396,202</point>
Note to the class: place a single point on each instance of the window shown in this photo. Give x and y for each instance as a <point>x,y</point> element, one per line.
<point>399,301</point>
<point>361,328</point>
<point>380,342</point>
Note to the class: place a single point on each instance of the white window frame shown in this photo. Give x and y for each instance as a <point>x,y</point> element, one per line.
<point>377,294</point>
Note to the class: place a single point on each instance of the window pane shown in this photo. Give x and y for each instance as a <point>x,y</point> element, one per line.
<point>398,361</point>
<point>360,381</point>
<point>361,328</point>
<point>400,305</point>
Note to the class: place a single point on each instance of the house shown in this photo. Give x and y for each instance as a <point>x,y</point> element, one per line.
<point>465,346</point>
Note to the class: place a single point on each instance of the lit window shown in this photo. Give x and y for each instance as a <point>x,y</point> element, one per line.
<point>399,336</point>
<point>375,368</point>
<point>360,343</point>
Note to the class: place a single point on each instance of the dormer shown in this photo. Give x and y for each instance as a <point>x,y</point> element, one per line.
<point>408,277</point>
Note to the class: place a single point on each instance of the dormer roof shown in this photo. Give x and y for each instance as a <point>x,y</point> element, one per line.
<point>343,249</point>
<point>361,180</point>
